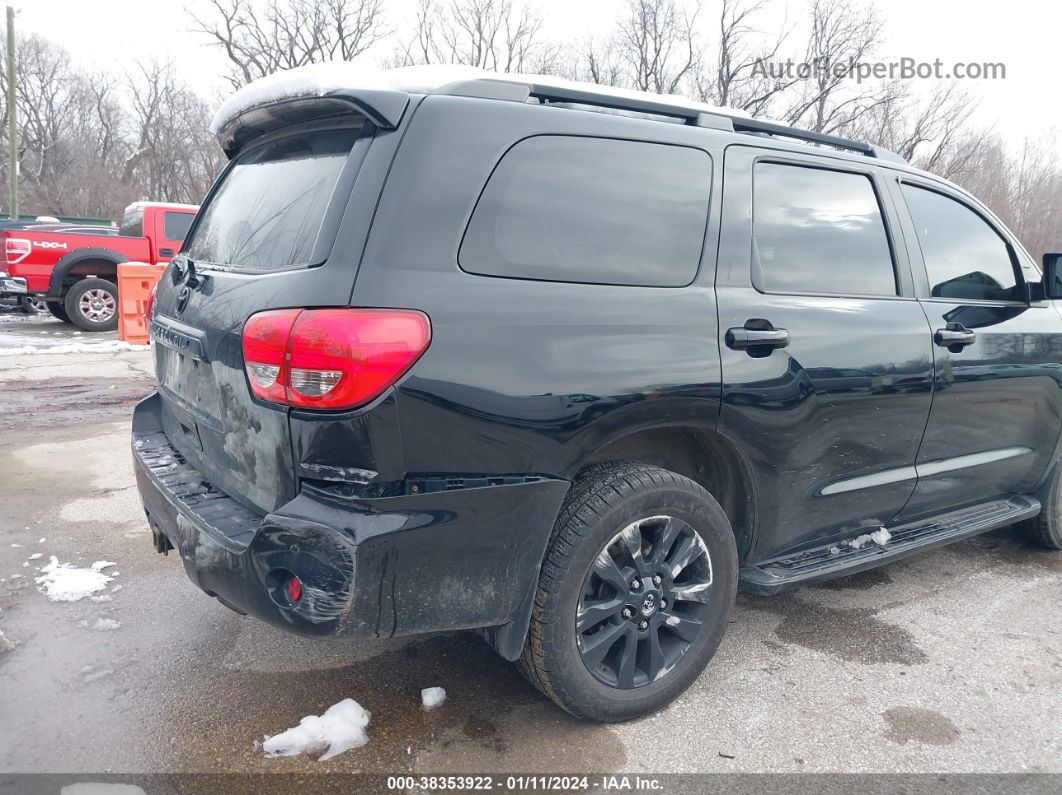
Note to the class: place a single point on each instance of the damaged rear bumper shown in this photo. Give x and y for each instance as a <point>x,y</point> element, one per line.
<point>453,558</point>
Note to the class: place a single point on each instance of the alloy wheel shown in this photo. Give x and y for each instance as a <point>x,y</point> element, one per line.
<point>643,602</point>
<point>96,305</point>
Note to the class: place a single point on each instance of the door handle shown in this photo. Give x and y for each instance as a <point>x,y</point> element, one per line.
<point>756,336</point>
<point>165,252</point>
<point>954,337</point>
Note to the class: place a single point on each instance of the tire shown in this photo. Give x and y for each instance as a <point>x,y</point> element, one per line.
<point>666,515</point>
<point>92,305</point>
<point>58,311</point>
<point>1045,529</point>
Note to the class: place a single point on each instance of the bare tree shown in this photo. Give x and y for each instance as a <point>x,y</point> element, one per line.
<point>840,34</point>
<point>175,157</point>
<point>260,37</point>
<point>657,43</point>
<point>497,35</point>
<point>739,78</point>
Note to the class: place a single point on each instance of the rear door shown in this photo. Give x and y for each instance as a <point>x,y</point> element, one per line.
<point>265,238</point>
<point>826,353</point>
<point>997,406</point>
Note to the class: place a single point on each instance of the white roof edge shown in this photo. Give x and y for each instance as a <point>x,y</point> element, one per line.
<point>316,80</point>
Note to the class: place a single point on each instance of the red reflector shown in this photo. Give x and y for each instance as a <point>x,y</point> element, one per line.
<point>294,588</point>
<point>331,358</point>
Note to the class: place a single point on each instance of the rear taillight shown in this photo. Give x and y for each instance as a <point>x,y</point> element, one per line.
<point>16,249</point>
<point>330,359</point>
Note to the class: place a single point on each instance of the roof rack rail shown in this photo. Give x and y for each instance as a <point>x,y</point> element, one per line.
<point>512,87</point>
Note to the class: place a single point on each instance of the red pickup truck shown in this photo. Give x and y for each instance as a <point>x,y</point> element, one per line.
<point>75,271</point>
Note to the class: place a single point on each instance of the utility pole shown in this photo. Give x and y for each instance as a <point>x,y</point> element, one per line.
<point>12,121</point>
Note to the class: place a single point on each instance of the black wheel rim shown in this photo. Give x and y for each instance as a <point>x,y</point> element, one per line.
<point>644,602</point>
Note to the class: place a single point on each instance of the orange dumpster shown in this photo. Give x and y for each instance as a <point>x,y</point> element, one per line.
<point>135,282</point>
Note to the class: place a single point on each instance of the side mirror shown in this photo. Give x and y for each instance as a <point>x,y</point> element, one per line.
<point>1052,283</point>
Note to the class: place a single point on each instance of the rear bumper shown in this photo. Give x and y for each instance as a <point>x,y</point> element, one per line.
<point>379,567</point>
<point>12,285</point>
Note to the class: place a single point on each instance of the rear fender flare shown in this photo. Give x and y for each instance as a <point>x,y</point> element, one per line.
<point>77,257</point>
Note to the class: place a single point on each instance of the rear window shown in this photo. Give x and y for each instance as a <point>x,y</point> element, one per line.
<point>267,212</point>
<point>175,225</point>
<point>594,210</point>
<point>132,224</point>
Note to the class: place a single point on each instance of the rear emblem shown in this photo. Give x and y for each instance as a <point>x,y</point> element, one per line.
<point>182,299</point>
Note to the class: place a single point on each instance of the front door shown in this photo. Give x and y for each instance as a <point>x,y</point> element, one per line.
<point>997,404</point>
<point>826,353</point>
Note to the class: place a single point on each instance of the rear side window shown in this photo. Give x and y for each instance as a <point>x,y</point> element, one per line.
<point>594,210</point>
<point>819,231</point>
<point>132,224</point>
<point>175,225</point>
<point>965,257</point>
<point>267,212</point>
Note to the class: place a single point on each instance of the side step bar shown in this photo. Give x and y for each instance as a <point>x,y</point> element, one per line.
<point>841,558</point>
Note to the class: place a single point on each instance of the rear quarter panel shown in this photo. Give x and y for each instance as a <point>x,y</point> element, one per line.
<point>527,377</point>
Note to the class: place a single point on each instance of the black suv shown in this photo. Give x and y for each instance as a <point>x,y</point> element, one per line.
<point>570,366</point>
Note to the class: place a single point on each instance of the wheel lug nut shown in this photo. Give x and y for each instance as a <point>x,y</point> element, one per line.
<point>657,580</point>
<point>635,585</point>
<point>628,613</point>
<point>643,625</point>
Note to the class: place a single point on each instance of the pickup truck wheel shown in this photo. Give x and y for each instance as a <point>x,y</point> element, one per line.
<point>634,594</point>
<point>58,311</point>
<point>92,305</point>
<point>1046,527</point>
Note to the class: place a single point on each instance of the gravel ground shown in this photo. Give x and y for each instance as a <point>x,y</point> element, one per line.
<point>949,662</point>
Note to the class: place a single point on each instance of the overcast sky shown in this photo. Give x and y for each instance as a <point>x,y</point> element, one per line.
<point>1025,35</point>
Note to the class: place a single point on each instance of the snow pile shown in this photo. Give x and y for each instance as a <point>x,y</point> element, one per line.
<point>63,582</point>
<point>107,623</point>
<point>339,729</point>
<point>432,697</point>
<point>100,788</point>
<point>103,346</point>
<point>880,537</point>
<point>5,644</point>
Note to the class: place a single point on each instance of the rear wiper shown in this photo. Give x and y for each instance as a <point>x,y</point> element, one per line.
<point>192,279</point>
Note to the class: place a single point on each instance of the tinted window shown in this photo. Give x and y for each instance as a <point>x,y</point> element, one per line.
<point>592,210</point>
<point>819,231</point>
<point>132,224</point>
<point>965,257</point>
<point>175,225</point>
<point>268,210</point>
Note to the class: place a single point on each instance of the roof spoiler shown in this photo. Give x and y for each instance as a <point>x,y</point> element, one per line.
<point>383,108</point>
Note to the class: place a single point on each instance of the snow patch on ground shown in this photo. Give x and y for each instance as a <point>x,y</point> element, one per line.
<point>432,697</point>
<point>107,624</point>
<point>103,346</point>
<point>100,788</point>
<point>6,644</point>
<point>340,728</point>
<point>64,582</point>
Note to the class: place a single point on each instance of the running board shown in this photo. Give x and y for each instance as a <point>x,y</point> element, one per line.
<point>845,557</point>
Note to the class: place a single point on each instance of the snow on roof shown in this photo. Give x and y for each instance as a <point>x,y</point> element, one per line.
<point>319,79</point>
<point>169,205</point>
